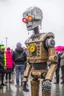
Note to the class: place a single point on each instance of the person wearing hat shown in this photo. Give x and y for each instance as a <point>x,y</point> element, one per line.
<point>9,64</point>
<point>2,61</point>
<point>19,57</point>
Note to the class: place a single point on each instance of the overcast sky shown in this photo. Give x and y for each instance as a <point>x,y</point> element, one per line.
<point>11,24</point>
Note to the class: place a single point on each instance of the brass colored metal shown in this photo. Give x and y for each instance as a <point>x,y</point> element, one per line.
<point>51,58</point>
<point>27,71</point>
<point>51,52</point>
<point>41,38</point>
<point>41,53</point>
<point>34,60</point>
<point>25,79</point>
<point>35,88</point>
<point>44,53</point>
<point>50,72</point>
<point>44,36</point>
<point>37,73</point>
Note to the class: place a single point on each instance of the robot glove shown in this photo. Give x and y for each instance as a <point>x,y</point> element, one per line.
<point>47,86</point>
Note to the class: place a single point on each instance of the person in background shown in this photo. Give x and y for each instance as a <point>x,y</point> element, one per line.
<point>1,71</point>
<point>2,61</point>
<point>58,68</point>
<point>9,64</point>
<point>62,65</point>
<point>19,57</point>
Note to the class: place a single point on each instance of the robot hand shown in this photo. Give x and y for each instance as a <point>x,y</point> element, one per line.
<point>47,86</point>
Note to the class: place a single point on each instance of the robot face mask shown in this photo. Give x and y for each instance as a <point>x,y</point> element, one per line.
<point>32,17</point>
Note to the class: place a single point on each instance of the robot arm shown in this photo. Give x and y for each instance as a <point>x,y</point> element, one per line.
<point>51,71</point>
<point>50,44</point>
<point>26,73</point>
<point>48,78</point>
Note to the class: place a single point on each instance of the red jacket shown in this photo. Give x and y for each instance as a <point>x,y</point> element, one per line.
<point>9,61</point>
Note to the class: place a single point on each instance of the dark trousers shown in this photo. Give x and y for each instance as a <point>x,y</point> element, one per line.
<point>62,72</point>
<point>57,74</point>
<point>2,75</point>
<point>2,78</point>
<point>7,76</point>
<point>8,73</point>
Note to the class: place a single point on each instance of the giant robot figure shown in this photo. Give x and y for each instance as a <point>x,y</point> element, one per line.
<point>41,49</point>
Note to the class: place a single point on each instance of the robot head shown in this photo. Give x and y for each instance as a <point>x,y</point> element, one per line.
<point>32,17</point>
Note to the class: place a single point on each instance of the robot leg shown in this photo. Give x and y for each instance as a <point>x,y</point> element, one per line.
<point>45,93</point>
<point>35,87</point>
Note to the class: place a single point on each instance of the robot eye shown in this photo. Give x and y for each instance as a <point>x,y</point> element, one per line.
<point>25,20</point>
<point>30,18</point>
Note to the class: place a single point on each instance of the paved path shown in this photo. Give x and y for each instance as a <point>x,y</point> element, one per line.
<point>11,90</point>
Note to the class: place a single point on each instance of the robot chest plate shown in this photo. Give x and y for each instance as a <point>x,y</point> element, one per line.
<point>36,51</point>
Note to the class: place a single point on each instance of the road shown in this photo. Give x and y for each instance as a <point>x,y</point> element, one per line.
<point>11,90</point>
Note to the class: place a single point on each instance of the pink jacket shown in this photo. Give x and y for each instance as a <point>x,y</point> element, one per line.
<point>9,61</point>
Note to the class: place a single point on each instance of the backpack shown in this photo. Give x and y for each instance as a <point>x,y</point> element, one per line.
<point>19,56</point>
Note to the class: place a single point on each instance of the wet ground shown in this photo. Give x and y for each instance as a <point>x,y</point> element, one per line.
<point>11,90</point>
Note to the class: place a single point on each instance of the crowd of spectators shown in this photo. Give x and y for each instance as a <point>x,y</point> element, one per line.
<point>10,60</point>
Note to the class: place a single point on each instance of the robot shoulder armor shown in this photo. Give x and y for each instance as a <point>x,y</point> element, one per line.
<point>50,34</point>
<point>44,36</point>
